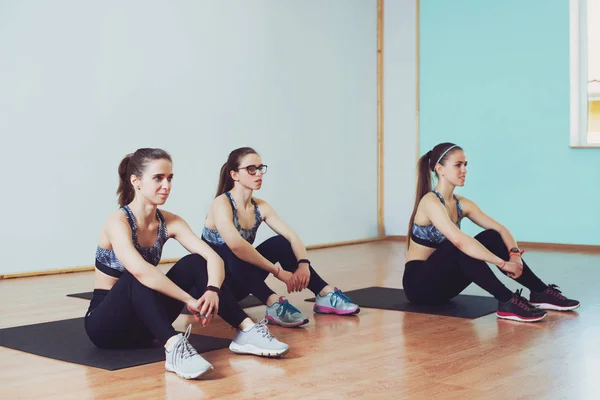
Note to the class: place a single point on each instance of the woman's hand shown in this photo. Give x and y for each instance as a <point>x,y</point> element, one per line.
<point>512,269</point>
<point>205,308</point>
<point>287,278</point>
<point>516,258</point>
<point>192,306</point>
<point>208,305</point>
<point>301,277</point>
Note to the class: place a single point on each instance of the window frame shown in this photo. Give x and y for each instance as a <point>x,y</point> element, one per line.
<point>579,73</point>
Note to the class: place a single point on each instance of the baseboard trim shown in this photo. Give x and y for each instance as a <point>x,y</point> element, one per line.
<point>397,238</point>
<point>560,247</point>
<point>554,247</point>
<point>171,260</point>
<point>347,243</point>
<point>48,272</point>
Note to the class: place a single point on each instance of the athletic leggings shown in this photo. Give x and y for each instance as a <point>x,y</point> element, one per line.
<point>448,271</point>
<point>244,278</point>
<point>133,315</point>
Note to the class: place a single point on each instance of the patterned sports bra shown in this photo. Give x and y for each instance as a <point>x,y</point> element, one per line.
<point>213,236</point>
<point>107,261</point>
<point>429,235</point>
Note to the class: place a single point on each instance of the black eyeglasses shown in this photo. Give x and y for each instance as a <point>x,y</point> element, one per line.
<point>253,169</point>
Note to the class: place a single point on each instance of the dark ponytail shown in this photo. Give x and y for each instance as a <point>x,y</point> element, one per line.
<point>135,164</point>
<point>425,166</point>
<point>232,164</point>
<point>225,181</point>
<point>125,190</point>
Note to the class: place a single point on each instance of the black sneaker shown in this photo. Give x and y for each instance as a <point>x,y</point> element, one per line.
<point>552,299</point>
<point>519,309</point>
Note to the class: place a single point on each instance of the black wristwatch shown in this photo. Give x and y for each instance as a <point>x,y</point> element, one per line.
<point>213,289</point>
<point>515,250</point>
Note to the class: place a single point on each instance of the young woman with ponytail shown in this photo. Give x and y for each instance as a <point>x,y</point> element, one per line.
<point>442,260</point>
<point>134,303</point>
<point>230,229</point>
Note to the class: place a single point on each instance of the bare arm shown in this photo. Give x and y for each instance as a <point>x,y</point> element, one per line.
<point>474,213</point>
<point>223,218</point>
<point>181,231</point>
<point>436,212</point>
<point>119,234</point>
<point>280,227</point>
<point>301,276</point>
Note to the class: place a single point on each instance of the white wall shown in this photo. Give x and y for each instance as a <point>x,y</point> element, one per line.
<point>399,113</point>
<point>84,83</point>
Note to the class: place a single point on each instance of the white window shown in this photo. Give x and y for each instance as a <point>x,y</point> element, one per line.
<point>585,73</point>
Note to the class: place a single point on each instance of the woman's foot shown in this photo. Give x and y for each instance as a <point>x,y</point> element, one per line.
<point>519,309</point>
<point>258,341</point>
<point>552,299</point>
<point>283,313</point>
<point>184,360</point>
<point>335,302</point>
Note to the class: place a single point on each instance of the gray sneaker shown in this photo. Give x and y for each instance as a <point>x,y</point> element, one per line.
<point>258,341</point>
<point>184,360</point>
<point>335,302</point>
<point>284,314</point>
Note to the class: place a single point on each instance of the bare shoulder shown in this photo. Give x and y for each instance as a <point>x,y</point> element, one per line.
<point>220,202</point>
<point>465,202</point>
<point>428,205</point>
<point>114,223</point>
<point>173,222</point>
<point>261,202</point>
<point>470,209</point>
<point>169,216</point>
<point>220,210</point>
<point>116,218</point>
<point>264,207</point>
<point>429,199</point>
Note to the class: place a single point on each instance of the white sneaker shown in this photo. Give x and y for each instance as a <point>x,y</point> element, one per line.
<point>258,341</point>
<point>184,360</point>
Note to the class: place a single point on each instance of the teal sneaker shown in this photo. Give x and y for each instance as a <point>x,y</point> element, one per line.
<point>284,314</point>
<point>335,302</point>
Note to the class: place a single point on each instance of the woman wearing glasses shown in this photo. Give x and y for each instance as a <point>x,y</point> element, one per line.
<point>230,229</point>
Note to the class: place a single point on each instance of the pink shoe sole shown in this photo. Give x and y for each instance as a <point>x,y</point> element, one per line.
<point>331,310</point>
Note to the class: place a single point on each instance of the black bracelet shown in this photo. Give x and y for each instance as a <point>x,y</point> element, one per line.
<point>304,260</point>
<point>214,289</point>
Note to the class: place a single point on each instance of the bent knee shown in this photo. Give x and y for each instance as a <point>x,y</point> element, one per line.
<point>280,242</point>
<point>489,234</point>
<point>194,259</point>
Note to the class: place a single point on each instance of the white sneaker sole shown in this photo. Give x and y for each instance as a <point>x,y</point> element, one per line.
<point>547,306</point>
<point>251,349</point>
<point>190,375</point>
<point>513,317</point>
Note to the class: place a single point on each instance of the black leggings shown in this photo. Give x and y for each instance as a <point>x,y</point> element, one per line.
<point>244,278</point>
<point>133,315</point>
<point>448,271</point>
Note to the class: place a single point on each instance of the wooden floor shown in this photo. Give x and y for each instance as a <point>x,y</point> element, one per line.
<point>378,354</point>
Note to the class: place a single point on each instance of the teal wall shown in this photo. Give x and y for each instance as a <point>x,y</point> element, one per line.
<point>494,78</point>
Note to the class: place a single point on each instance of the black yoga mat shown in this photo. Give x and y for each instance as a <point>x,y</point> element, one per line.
<point>66,340</point>
<point>462,306</point>
<point>248,302</point>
